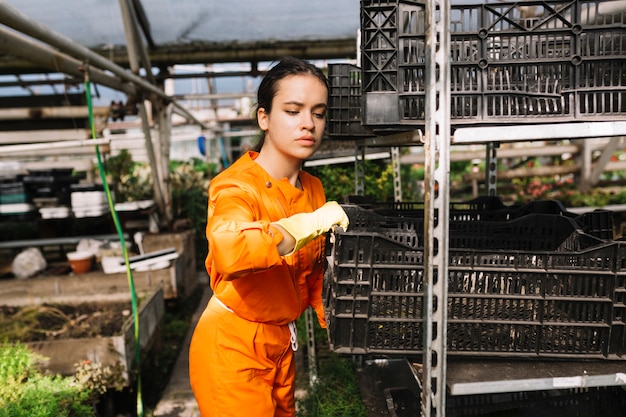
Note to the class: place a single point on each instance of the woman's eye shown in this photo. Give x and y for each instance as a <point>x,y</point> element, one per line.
<point>320,115</point>
<point>291,112</point>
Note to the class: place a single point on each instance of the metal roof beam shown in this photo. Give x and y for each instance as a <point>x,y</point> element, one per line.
<point>143,21</point>
<point>133,40</point>
<point>13,18</point>
<point>214,53</point>
<point>22,47</point>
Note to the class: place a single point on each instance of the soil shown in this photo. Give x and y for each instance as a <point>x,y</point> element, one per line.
<point>63,321</point>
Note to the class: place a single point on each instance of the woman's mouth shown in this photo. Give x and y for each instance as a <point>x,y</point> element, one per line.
<point>306,140</point>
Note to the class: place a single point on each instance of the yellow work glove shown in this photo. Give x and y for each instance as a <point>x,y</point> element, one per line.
<point>304,227</point>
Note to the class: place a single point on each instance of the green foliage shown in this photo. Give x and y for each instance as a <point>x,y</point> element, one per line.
<point>190,185</point>
<point>339,180</point>
<point>565,190</point>
<point>131,181</point>
<point>25,392</point>
<point>98,378</point>
<point>336,392</point>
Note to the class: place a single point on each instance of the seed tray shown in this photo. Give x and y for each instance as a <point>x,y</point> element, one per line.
<point>521,62</point>
<point>513,303</point>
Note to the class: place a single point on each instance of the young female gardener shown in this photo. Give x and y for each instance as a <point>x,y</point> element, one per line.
<point>266,219</point>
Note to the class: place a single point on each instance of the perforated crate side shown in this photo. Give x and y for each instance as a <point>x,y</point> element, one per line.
<point>405,401</point>
<point>543,62</point>
<point>598,223</point>
<point>344,107</point>
<point>516,304</point>
<point>376,295</point>
<point>545,225</point>
<point>500,303</point>
<point>619,316</point>
<point>588,402</point>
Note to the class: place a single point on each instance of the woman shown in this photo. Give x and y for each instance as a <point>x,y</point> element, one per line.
<point>266,219</point>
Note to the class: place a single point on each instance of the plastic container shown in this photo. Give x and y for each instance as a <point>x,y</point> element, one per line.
<point>532,287</point>
<point>344,108</point>
<point>80,262</point>
<point>543,62</point>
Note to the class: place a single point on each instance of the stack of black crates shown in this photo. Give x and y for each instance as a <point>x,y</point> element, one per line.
<point>524,281</point>
<point>511,62</point>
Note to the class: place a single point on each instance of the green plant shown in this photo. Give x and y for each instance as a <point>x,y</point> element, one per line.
<point>98,378</point>
<point>25,392</point>
<point>335,392</point>
<point>190,184</point>
<point>131,181</point>
<point>378,181</point>
<point>190,191</point>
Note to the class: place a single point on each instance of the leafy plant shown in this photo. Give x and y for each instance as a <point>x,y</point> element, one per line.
<point>190,184</point>
<point>339,180</point>
<point>335,392</point>
<point>131,181</point>
<point>98,378</point>
<point>25,392</point>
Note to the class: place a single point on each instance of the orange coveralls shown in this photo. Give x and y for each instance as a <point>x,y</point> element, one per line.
<point>240,357</point>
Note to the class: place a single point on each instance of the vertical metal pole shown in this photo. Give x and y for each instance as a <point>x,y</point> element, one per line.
<point>311,352</point>
<point>585,163</point>
<point>491,176</point>
<point>437,173</point>
<point>160,189</point>
<point>397,179</point>
<point>359,170</point>
<point>163,153</point>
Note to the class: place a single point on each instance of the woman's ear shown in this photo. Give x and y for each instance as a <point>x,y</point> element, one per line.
<point>261,117</point>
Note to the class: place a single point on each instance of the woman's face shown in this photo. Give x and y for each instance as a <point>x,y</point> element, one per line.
<point>295,127</point>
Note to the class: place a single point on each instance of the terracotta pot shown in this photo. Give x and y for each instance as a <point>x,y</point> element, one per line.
<point>80,262</point>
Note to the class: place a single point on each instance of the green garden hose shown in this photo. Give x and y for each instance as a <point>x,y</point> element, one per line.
<point>120,233</point>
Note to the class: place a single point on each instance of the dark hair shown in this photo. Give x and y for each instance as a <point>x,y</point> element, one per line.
<point>285,67</point>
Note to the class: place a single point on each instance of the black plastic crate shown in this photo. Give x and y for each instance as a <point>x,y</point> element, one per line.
<point>535,304</point>
<point>513,230</point>
<point>344,108</point>
<point>598,223</point>
<point>523,62</point>
<point>588,402</point>
<point>463,215</point>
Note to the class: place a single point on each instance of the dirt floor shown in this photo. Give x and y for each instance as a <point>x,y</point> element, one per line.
<point>63,321</point>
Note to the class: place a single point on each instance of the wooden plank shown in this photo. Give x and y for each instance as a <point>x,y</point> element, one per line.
<point>34,136</point>
<point>90,287</point>
<point>57,241</point>
<point>65,112</point>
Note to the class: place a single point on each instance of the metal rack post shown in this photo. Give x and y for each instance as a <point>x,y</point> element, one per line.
<point>436,199</point>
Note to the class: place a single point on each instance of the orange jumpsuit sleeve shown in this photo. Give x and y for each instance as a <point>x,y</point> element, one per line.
<point>239,244</point>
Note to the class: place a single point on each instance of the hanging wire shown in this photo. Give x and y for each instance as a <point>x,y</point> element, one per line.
<point>120,233</point>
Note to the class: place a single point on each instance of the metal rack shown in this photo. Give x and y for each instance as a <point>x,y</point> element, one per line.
<point>437,375</point>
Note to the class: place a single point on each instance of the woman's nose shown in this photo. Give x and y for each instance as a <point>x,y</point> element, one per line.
<point>307,121</point>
